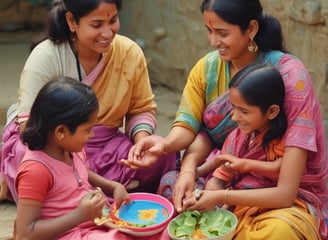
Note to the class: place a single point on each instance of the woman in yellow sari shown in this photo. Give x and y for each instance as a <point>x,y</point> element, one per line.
<point>81,42</point>
<point>242,33</point>
<point>261,189</point>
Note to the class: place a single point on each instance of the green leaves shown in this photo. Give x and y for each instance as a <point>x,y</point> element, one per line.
<point>211,223</point>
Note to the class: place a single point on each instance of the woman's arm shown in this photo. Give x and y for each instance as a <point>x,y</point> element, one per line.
<point>148,149</point>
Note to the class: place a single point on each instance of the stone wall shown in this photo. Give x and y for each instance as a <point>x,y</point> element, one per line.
<point>173,37</point>
<point>18,15</point>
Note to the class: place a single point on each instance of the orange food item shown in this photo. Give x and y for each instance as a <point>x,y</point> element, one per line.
<point>198,234</point>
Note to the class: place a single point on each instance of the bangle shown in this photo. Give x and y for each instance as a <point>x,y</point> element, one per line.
<point>188,171</point>
<point>226,196</point>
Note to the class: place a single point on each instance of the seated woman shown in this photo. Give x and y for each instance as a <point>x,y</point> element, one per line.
<point>268,192</point>
<point>81,42</point>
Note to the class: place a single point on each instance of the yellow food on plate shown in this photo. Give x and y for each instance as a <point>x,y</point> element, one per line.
<point>148,214</point>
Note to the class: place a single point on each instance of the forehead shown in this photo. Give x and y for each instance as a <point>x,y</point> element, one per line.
<point>237,99</point>
<point>212,20</point>
<point>104,10</point>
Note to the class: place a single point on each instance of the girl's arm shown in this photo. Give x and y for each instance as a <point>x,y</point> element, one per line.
<point>29,224</point>
<point>244,165</point>
<point>194,155</point>
<point>205,168</point>
<point>281,196</point>
<point>110,188</point>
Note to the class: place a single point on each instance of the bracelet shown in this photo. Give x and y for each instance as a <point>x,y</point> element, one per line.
<point>226,196</point>
<point>188,171</point>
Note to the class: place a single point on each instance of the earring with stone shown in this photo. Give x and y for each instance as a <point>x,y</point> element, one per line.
<point>252,47</point>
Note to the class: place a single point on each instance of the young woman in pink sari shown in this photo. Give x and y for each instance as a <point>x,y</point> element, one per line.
<point>81,42</point>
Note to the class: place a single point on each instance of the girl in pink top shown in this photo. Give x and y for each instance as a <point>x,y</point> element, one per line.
<point>58,196</point>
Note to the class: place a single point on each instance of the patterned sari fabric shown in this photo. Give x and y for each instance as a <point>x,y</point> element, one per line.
<point>297,222</point>
<point>205,106</point>
<point>305,130</point>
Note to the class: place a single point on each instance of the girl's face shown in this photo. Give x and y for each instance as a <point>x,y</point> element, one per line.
<point>249,118</point>
<point>95,31</point>
<point>231,43</point>
<point>76,141</point>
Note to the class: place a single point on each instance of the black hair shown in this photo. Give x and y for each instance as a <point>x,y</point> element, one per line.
<point>241,12</point>
<point>60,101</point>
<point>262,85</point>
<point>57,28</point>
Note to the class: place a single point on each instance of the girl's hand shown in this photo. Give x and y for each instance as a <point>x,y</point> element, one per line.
<point>242,165</point>
<point>204,200</point>
<point>183,189</point>
<point>91,205</point>
<point>231,163</point>
<point>120,195</point>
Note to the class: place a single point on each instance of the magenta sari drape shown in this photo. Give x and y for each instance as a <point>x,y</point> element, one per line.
<point>107,146</point>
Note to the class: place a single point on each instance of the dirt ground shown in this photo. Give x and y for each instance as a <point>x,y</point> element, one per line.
<point>14,49</point>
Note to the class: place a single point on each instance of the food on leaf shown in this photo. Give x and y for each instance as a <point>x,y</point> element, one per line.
<point>202,225</point>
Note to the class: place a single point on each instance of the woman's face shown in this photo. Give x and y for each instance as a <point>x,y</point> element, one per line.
<point>95,31</point>
<point>249,118</point>
<point>231,43</point>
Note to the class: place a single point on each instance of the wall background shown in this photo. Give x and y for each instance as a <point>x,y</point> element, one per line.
<point>173,37</point>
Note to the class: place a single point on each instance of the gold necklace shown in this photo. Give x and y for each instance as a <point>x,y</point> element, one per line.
<point>251,139</point>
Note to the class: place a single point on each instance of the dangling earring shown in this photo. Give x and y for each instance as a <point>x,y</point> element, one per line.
<point>73,35</point>
<point>253,46</point>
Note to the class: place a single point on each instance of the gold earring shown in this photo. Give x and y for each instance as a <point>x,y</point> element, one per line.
<point>253,46</point>
<point>62,136</point>
<point>73,36</point>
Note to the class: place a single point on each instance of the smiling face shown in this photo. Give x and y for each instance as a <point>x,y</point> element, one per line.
<point>230,41</point>
<point>249,118</point>
<point>96,30</point>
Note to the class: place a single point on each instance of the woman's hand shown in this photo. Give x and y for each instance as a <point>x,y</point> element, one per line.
<point>145,152</point>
